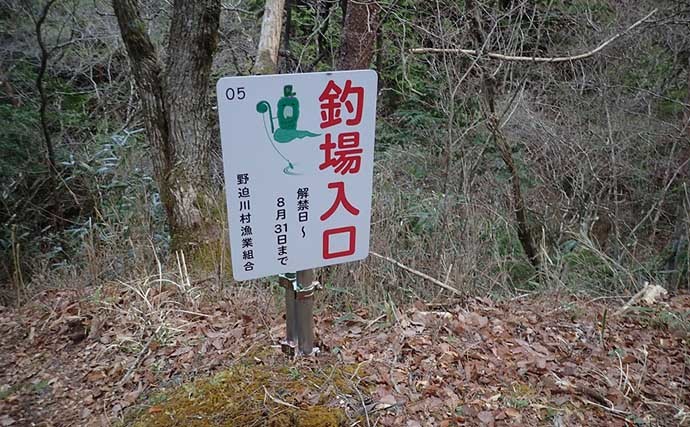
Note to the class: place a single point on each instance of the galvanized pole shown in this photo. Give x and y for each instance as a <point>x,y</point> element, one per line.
<point>304,310</point>
<point>289,345</point>
<point>299,312</point>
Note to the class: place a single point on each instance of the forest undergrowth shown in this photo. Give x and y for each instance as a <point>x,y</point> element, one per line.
<point>450,321</point>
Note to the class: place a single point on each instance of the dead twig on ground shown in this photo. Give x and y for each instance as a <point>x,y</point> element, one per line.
<point>648,293</point>
<point>140,358</point>
<point>373,322</point>
<point>364,405</point>
<point>278,401</point>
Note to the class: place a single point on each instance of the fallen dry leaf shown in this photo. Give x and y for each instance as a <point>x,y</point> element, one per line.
<point>6,420</point>
<point>486,417</point>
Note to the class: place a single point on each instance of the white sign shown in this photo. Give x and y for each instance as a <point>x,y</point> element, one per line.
<point>298,155</point>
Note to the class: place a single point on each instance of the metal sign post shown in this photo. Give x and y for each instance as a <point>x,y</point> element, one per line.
<point>287,281</point>
<point>299,313</point>
<point>298,157</point>
<point>304,310</point>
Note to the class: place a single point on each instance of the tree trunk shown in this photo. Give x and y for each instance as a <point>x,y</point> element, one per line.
<point>40,84</point>
<point>359,34</point>
<point>524,231</point>
<point>267,53</point>
<point>192,44</point>
<point>175,106</point>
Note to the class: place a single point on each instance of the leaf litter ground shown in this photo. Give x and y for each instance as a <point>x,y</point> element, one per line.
<point>107,358</point>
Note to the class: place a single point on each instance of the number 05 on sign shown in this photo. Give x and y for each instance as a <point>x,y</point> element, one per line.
<point>298,156</point>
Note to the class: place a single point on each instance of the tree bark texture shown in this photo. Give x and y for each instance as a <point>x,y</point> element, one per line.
<point>192,44</point>
<point>359,34</point>
<point>175,106</point>
<point>267,53</point>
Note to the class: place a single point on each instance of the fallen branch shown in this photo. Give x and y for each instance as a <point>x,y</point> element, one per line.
<point>648,293</point>
<point>615,412</point>
<point>364,405</point>
<point>140,358</point>
<point>278,401</point>
<point>373,322</point>
<point>502,57</point>
<point>419,273</point>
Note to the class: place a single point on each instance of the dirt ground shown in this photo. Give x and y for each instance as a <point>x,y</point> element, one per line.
<point>114,355</point>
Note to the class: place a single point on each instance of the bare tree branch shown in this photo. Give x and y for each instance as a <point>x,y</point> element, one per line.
<point>502,57</point>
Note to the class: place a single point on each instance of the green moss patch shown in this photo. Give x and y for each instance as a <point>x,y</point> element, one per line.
<point>257,392</point>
